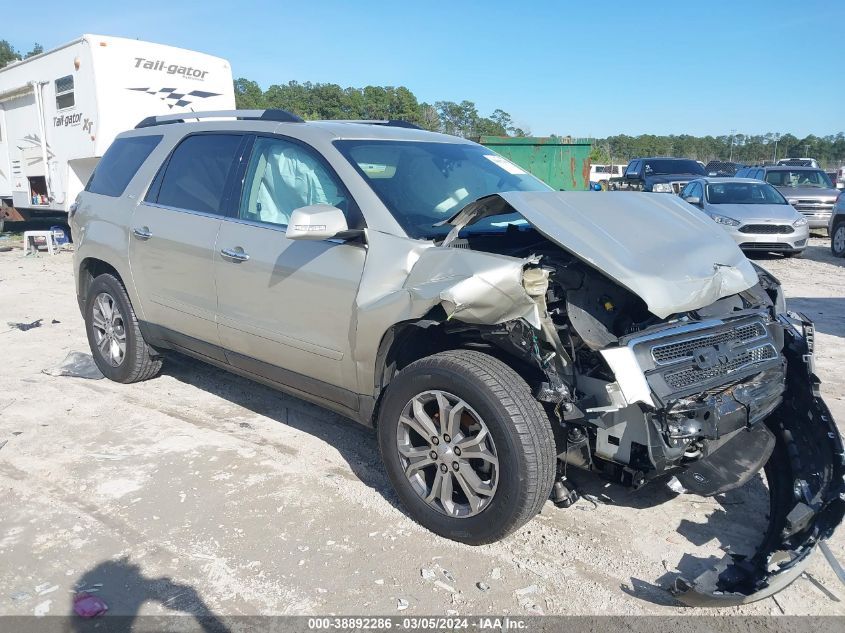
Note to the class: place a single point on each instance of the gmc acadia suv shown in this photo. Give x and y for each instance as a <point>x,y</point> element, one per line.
<point>492,330</point>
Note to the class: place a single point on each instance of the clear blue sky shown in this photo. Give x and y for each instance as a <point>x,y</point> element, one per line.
<point>579,68</point>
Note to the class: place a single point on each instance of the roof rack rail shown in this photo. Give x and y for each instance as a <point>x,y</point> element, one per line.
<point>385,122</point>
<point>282,116</point>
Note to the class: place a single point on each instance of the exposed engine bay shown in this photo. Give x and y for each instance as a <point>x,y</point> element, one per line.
<point>700,400</point>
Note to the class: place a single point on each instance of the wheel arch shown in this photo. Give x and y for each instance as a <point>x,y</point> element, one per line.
<point>89,269</point>
<point>409,341</point>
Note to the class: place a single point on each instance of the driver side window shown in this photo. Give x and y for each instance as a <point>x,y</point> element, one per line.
<point>283,176</point>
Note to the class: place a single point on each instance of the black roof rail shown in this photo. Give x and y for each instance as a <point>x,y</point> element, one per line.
<point>384,122</point>
<point>282,116</point>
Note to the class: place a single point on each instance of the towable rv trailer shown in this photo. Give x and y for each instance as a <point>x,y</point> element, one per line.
<point>60,111</point>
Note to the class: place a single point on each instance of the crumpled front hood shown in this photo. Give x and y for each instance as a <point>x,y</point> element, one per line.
<point>660,248</point>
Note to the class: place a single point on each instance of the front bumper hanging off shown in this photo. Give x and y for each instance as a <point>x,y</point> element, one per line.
<point>806,479</point>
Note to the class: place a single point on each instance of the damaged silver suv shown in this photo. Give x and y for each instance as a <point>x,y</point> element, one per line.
<point>492,330</point>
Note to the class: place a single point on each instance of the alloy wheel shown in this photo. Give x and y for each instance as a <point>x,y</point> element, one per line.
<point>839,239</point>
<point>447,453</point>
<point>109,329</point>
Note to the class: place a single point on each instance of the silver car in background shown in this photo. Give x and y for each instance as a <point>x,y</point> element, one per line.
<point>753,212</point>
<point>807,189</point>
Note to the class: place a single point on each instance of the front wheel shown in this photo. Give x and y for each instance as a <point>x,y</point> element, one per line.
<point>468,449</point>
<point>837,239</point>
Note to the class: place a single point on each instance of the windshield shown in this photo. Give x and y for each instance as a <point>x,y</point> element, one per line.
<point>425,183</point>
<point>743,193</point>
<point>673,166</point>
<point>799,178</point>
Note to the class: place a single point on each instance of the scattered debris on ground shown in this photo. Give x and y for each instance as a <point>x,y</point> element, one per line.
<point>24,327</point>
<point>77,365</point>
<point>86,605</point>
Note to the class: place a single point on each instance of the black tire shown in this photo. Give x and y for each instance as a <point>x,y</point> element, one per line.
<point>840,252</point>
<point>519,426</point>
<point>140,361</point>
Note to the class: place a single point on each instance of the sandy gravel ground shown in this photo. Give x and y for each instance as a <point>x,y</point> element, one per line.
<point>203,493</point>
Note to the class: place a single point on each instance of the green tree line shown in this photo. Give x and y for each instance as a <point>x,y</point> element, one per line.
<point>9,54</point>
<point>743,148</point>
<point>331,101</point>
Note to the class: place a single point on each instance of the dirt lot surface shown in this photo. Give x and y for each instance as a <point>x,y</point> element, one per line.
<point>201,492</point>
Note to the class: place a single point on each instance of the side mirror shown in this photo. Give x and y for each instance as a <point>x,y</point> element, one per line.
<point>316,222</point>
<point>694,200</point>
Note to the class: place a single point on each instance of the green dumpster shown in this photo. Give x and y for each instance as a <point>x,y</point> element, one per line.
<point>561,162</point>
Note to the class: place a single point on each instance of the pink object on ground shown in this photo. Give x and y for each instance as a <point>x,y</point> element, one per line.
<point>87,606</point>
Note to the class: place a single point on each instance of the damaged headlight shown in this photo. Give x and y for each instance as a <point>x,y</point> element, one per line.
<point>662,187</point>
<point>724,220</point>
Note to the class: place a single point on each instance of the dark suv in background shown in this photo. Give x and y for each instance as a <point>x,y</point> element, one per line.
<point>658,174</point>
<point>807,189</point>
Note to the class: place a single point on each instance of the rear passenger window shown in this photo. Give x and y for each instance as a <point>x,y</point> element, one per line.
<point>119,164</point>
<point>196,175</point>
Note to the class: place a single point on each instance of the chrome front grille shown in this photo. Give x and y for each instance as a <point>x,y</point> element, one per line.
<point>812,207</point>
<point>695,357</point>
<point>683,350</point>
<point>694,376</point>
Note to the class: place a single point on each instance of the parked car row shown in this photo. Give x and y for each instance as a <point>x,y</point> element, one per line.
<point>769,209</point>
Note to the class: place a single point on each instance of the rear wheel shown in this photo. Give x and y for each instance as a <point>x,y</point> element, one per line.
<point>837,239</point>
<point>116,342</point>
<point>468,449</point>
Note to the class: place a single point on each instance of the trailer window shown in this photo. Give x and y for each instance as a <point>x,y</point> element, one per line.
<point>119,164</point>
<point>64,93</point>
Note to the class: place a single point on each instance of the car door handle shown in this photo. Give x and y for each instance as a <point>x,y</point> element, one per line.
<point>234,255</point>
<point>143,233</point>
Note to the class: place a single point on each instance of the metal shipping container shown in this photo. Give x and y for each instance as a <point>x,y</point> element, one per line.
<point>561,162</point>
